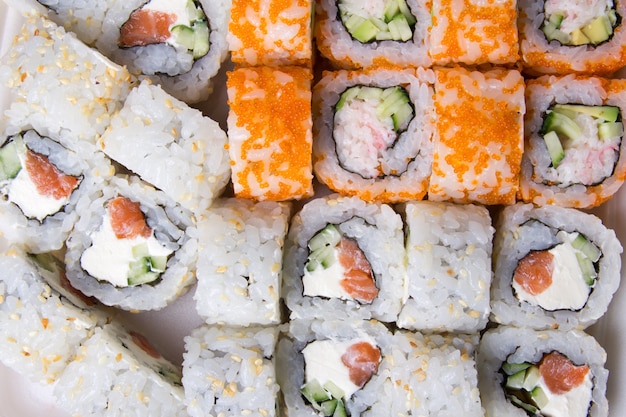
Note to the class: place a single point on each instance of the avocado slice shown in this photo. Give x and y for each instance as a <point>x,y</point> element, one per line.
<point>606,113</point>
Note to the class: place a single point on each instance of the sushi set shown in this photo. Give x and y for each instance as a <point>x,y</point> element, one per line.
<point>312,208</point>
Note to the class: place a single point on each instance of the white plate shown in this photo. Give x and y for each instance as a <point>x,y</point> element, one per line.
<point>167,328</point>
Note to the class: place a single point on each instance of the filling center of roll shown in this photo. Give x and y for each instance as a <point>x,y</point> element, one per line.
<point>579,22</point>
<point>377,20</point>
<point>368,122</point>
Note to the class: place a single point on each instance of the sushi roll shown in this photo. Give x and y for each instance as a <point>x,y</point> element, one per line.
<point>229,371</point>
<point>474,32</point>
<point>43,319</point>
<point>373,133</point>
<point>554,267</point>
<point>574,131</point>
<point>360,368</point>
<point>60,87</point>
<point>478,139</point>
<point>270,132</point>
<point>179,44</point>
<point>170,145</point>
<point>240,256</point>
<point>40,183</point>
<point>271,32</point>
<point>525,372</point>
<point>448,267</point>
<point>583,37</point>
<point>133,247</point>
<point>344,258</point>
<point>117,372</point>
<point>353,34</point>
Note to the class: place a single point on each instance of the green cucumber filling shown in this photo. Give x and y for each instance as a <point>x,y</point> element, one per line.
<point>10,158</point>
<point>377,20</point>
<point>579,22</point>
<point>368,123</point>
<point>327,399</point>
<point>582,144</point>
<point>554,386</point>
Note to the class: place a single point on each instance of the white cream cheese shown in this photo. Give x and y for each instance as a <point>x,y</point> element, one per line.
<point>325,282</point>
<point>177,8</point>
<point>109,258</point>
<point>568,290</point>
<point>323,363</point>
<point>574,403</point>
<point>22,191</point>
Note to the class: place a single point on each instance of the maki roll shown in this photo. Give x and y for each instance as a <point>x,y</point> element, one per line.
<point>360,368</point>
<point>478,139</point>
<point>41,182</point>
<point>133,247</point>
<point>584,37</point>
<point>42,73</point>
<point>229,371</point>
<point>344,258</point>
<point>554,267</point>
<point>448,249</point>
<point>271,32</point>
<point>474,32</point>
<point>178,44</point>
<point>354,34</point>
<point>126,376</point>
<point>373,133</point>
<point>525,372</point>
<point>574,140</point>
<point>239,269</point>
<point>174,147</point>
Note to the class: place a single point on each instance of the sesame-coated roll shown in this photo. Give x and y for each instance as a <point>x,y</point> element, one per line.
<point>270,132</point>
<point>478,136</point>
<point>270,32</point>
<point>474,32</point>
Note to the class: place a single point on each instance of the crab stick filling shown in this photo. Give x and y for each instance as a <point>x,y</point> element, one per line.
<point>124,250</point>
<point>337,268</point>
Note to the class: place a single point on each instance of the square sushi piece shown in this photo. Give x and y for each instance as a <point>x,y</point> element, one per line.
<point>117,372</point>
<point>449,267</point>
<point>474,32</point>
<point>271,32</point>
<point>240,262</point>
<point>270,132</point>
<point>478,140</point>
<point>229,372</point>
<point>170,145</point>
<point>357,368</point>
<point>43,319</point>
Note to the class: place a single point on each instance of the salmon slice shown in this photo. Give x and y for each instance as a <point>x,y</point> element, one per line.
<point>127,219</point>
<point>48,180</point>
<point>143,343</point>
<point>534,272</point>
<point>560,373</point>
<point>145,27</point>
<point>358,279</point>
<point>362,360</point>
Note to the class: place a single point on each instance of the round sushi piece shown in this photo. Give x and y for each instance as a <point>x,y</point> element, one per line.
<point>179,44</point>
<point>360,368</point>
<point>354,34</point>
<point>574,148</point>
<point>40,184</point>
<point>133,247</point>
<point>373,133</point>
<point>344,258</point>
<point>554,267</point>
<point>560,37</point>
<point>525,372</point>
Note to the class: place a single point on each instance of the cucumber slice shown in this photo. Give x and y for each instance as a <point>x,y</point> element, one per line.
<point>366,93</point>
<point>528,407</point>
<point>401,116</point>
<point>584,245</point>
<point>314,393</point>
<point>400,28</point>
<point>328,407</point>
<point>513,368</point>
<point>556,20</point>
<point>365,32</point>
<point>539,397</point>
<point>406,12</point>
<point>391,9</point>
<point>531,379</point>
<point>140,251</point>
<point>393,99</point>
<point>606,113</point>
<point>340,410</point>
<point>599,30</point>
<point>142,270</point>
<point>587,268</point>
<point>200,39</point>
<point>610,130</point>
<point>346,96</point>
<point>516,381</point>
<point>555,149</point>
<point>322,257</point>
<point>328,236</point>
<point>334,390</point>
<point>158,263</point>
<point>562,125</point>
<point>10,164</point>
<point>184,35</point>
